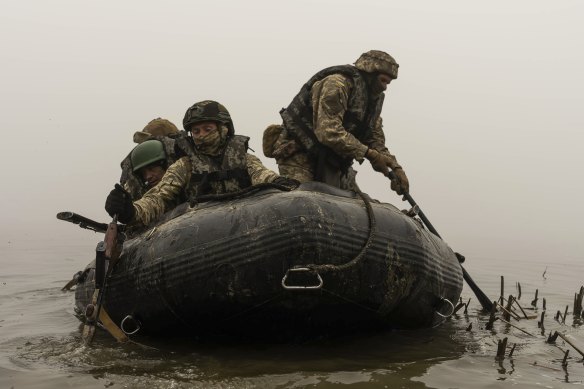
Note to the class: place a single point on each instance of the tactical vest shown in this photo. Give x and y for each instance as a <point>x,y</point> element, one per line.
<point>222,174</point>
<point>359,119</point>
<point>133,182</point>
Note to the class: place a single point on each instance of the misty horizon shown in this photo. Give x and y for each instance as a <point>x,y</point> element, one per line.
<point>485,116</point>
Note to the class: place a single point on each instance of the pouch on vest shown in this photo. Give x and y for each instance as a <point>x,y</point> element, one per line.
<point>271,135</point>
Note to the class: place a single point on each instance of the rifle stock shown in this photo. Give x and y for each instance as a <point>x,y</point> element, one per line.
<point>107,254</point>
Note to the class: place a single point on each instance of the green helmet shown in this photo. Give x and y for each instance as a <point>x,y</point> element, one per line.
<point>147,153</point>
<point>208,110</point>
<point>377,61</point>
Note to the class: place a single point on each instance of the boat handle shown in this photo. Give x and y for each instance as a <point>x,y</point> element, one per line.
<point>451,308</point>
<point>301,269</point>
<point>136,324</point>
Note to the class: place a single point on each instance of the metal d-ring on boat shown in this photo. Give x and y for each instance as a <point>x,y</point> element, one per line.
<point>134,323</point>
<point>301,269</point>
<point>451,308</point>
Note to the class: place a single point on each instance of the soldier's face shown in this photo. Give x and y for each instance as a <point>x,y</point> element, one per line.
<point>199,130</point>
<point>152,174</point>
<point>383,81</point>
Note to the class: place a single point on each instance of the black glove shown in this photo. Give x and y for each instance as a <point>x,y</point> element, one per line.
<point>287,182</point>
<point>119,202</point>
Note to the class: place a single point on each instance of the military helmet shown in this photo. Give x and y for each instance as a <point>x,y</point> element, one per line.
<point>147,153</point>
<point>377,61</point>
<point>208,110</point>
<point>156,127</point>
<point>160,127</point>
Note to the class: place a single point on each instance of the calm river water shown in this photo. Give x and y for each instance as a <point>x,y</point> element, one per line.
<point>40,338</point>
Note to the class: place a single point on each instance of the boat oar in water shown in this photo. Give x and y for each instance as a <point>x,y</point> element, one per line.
<point>486,303</point>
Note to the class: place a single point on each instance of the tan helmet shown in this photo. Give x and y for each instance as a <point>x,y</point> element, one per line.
<point>377,61</point>
<point>156,127</point>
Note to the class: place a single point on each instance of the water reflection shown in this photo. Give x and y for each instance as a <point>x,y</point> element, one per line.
<point>40,344</point>
<point>392,357</point>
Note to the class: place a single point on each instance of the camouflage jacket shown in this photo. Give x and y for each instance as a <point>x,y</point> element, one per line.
<point>186,176</point>
<point>335,109</point>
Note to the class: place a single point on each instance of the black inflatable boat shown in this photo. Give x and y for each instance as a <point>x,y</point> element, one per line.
<point>280,264</point>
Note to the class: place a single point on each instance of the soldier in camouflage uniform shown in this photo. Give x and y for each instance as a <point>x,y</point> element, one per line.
<point>335,119</point>
<point>217,163</point>
<point>149,162</point>
<point>157,129</point>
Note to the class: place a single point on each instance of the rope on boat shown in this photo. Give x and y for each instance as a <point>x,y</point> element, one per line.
<point>372,230</point>
<point>193,201</point>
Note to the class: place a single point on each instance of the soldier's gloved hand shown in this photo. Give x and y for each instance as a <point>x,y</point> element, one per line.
<point>119,202</point>
<point>380,162</point>
<point>400,184</point>
<point>287,182</point>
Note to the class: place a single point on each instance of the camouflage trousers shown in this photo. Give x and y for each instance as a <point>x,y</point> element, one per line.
<point>300,166</point>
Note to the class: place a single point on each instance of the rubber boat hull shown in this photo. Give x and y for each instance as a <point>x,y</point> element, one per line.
<point>223,267</point>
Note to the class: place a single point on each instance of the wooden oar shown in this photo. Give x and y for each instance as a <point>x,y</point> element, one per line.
<point>486,303</point>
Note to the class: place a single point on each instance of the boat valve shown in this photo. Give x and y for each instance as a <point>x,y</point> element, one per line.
<point>133,324</point>
<point>301,270</point>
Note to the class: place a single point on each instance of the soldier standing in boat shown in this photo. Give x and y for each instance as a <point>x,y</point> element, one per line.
<point>335,119</point>
<point>217,162</point>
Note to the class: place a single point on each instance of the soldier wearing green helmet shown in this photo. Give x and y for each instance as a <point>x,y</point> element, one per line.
<point>217,162</point>
<point>161,130</point>
<point>149,162</point>
<point>334,120</point>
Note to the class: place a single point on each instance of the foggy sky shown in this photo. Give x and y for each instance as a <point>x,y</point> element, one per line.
<point>485,117</point>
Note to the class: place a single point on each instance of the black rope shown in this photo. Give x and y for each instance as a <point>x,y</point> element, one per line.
<point>372,230</point>
<point>241,193</point>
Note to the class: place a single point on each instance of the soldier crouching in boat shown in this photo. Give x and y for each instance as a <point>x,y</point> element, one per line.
<point>217,162</point>
<point>160,150</point>
<point>149,162</point>
<point>334,120</point>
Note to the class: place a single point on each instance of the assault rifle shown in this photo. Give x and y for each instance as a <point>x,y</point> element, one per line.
<point>106,256</point>
<point>82,221</point>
